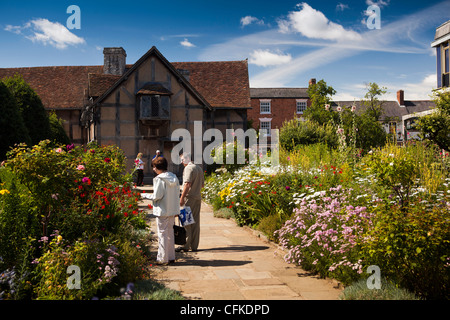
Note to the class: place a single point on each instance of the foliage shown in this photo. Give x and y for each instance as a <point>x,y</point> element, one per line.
<point>435,127</point>
<point>31,107</point>
<point>230,155</point>
<point>68,206</point>
<point>373,105</point>
<point>12,127</point>
<point>294,133</point>
<point>402,170</point>
<point>337,218</point>
<point>320,95</point>
<point>57,133</point>
<point>412,246</point>
<point>388,291</point>
<point>322,235</point>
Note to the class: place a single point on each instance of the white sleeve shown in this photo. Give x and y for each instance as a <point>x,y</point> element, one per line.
<point>158,189</point>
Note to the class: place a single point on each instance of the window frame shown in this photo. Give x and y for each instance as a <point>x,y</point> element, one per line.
<point>266,121</point>
<point>268,104</point>
<point>302,101</point>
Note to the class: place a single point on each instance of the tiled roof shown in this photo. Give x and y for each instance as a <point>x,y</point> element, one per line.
<point>99,83</point>
<point>154,88</point>
<point>222,83</point>
<point>279,93</point>
<point>58,87</point>
<point>391,109</point>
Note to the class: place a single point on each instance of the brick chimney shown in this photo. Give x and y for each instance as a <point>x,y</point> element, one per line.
<point>401,97</point>
<point>114,61</point>
<point>312,81</point>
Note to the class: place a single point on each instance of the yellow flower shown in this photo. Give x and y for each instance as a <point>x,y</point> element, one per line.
<point>59,238</point>
<point>4,191</point>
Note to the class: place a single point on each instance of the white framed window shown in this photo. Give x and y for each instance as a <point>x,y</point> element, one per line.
<point>301,105</point>
<point>265,125</point>
<point>264,106</point>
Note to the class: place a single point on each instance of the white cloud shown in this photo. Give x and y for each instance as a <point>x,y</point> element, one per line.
<point>341,6</point>
<point>314,24</point>
<point>245,21</point>
<point>379,3</point>
<point>421,90</point>
<point>266,58</point>
<point>47,32</point>
<point>187,44</point>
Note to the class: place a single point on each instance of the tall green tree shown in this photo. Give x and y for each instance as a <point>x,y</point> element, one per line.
<point>31,107</point>
<point>435,127</point>
<point>12,127</point>
<point>320,95</point>
<point>372,102</point>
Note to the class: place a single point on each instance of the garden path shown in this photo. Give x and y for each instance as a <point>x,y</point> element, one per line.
<point>237,263</point>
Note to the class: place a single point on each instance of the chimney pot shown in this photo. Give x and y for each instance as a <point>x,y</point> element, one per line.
<point>114,61</point>
<point>401,97</point>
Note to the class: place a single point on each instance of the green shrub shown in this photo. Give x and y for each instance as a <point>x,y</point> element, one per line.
<point>412,247</point>
<point>388,291</point>
<point>68,206</point>
<point>294,133</point>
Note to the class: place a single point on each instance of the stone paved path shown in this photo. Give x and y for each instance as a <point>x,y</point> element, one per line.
<point>234,263</point>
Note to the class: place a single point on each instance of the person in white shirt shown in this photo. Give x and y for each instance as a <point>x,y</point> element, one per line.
<point>139,165</point>
<point>166,205</point>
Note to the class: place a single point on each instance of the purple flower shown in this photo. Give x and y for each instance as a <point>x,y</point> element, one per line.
<point>85,180</point>
<point>70,147</point>
<point>288,188</point>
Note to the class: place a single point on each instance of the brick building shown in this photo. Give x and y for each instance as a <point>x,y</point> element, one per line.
<point>272,106</point>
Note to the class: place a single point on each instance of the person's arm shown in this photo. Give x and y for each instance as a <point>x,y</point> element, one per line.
<point>158,190</point>
<point>186,188</point>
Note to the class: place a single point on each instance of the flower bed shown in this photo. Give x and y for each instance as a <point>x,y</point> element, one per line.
<point>389,208</point>
<point>68,208</point>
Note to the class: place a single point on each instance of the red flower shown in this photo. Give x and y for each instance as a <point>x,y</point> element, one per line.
<point>107,160</point>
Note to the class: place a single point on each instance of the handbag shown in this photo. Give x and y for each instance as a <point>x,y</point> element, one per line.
<point>185,216</point>
<point>179,234</point>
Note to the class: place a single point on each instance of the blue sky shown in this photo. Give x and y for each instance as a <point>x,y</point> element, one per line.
<point>285,42</point>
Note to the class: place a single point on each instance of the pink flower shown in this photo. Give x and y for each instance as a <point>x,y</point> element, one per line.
<point>107,160</point>
<point>80,167</point>
<point>86,180</point>
<point>59,150</point>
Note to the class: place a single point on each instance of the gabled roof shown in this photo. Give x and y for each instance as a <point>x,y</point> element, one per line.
<point>223,84</point>
<point>274,93</point>
<point>155,52</point>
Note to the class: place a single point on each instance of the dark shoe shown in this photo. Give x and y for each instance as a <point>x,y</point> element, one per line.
<point>180,249</point>
<point>171,261</point>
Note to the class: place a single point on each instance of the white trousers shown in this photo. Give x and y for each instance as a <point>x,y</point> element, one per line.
<point>166,239</point>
